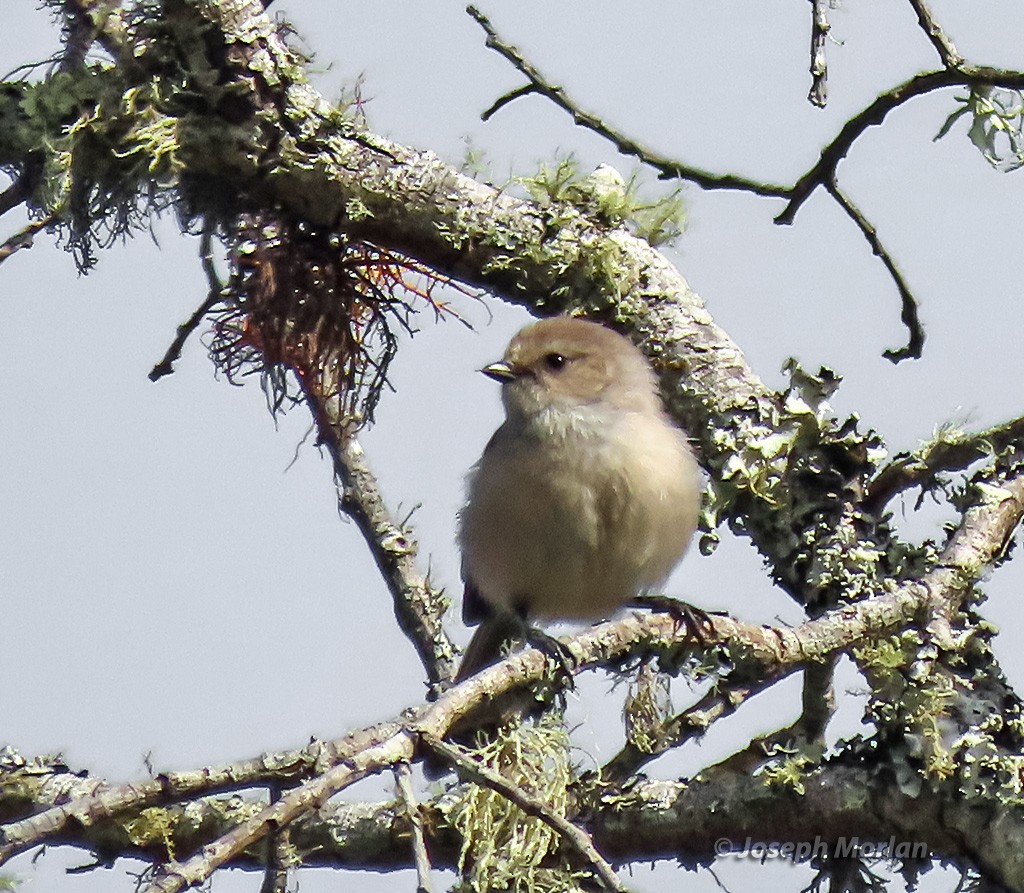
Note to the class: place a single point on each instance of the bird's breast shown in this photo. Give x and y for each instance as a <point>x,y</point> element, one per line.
<point>571,516</point>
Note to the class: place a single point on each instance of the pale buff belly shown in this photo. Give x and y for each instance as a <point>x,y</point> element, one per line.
<point>575,532</point>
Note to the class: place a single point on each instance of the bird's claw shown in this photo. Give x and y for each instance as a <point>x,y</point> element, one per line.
<point>697,622</point>
<point>564,660</point>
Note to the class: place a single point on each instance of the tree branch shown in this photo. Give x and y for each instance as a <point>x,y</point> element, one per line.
<point>940,40</point>
<point>419,607</point>
<point>822,174</point>
<point>403,781</point>
<point>668,168</point>
<point>24,237</point>
<point>471,770</point>
<point>690,820</point>
<point>765,652</point>
<point>724,699</point>
<point>908,303</point>
<point>819,61</point>
<point>213,297</point>
<point>949,452</point>
<point>275,877</point>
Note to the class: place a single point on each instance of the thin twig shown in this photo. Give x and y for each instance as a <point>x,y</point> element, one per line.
<point>723,700</point>
<point>504,100</point>
<point>940,40</point>
<point>574,836</point>
<point>823,171</point>
<point>668,167</point>
<point>821,174</point>
<point>403,780</point>
<point>908,303</point>
<point>819,61</point>
<point>24,237</point>
<point>214,296</point>
<point>275,877</point>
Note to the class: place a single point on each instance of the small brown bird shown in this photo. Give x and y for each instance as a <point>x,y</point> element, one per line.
<point>586,496</point>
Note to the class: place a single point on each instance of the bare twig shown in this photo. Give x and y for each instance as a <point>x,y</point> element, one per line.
<point>213,297</point>
<point>667,167</point>
<point>819,62</point>
<point>940,40</point>
<point>275,877</point>
<point>823,171</point>
<point>944,454</point>
<point>575,837</point>
<point>24,237</point>
<point>908,303</point>
<point>403,781</point>
<point>505,99</point>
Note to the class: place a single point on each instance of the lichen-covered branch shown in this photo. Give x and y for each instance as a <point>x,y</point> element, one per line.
<point>471,770</point>
<point>803,485</point>
<point>419,607</point>
<point>971,550</point>
<point>654,819</point>
<point>213,297</point>
<point>950,450</point>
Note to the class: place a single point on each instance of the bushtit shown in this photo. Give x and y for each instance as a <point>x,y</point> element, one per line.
<point>587,494</point>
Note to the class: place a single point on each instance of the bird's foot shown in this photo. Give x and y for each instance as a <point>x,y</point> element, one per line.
<point>697,622</point>
<point>564,660</point>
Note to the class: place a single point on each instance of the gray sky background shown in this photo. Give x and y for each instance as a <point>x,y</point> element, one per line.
<point>174,584</point>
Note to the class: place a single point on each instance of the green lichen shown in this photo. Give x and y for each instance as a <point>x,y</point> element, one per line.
<point>503,848</point>
<point>787,772</point>
<point>647,709</point>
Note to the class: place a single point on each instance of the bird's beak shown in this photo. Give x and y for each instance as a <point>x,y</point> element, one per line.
<point>500,372</point>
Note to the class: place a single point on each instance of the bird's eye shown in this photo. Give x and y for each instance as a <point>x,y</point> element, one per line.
<point>554,361</point>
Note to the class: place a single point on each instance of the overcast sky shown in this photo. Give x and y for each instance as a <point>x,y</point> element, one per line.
<point>176,580</point>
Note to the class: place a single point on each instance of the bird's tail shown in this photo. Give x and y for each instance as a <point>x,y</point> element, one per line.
<point>489,643</point>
